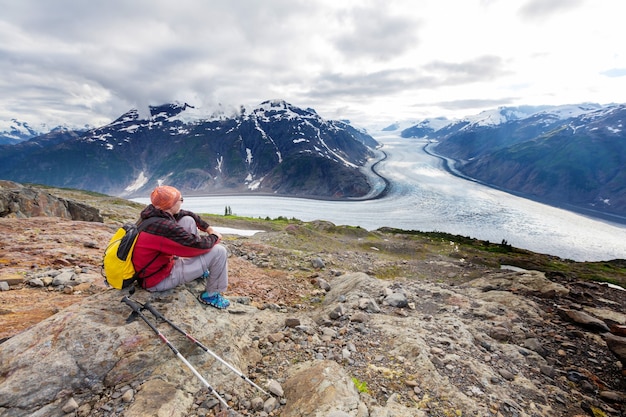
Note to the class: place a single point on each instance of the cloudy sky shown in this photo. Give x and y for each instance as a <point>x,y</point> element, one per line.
<point>370,61</point>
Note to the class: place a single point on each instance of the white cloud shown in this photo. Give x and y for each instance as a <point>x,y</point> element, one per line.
<point>371,61</point>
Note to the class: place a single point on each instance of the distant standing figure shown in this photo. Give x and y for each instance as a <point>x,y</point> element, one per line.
<point>173,252</point>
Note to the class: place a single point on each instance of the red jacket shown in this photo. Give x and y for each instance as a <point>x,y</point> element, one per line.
<point>164,239</point>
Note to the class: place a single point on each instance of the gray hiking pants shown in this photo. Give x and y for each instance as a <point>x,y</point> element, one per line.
<point>187,269</point>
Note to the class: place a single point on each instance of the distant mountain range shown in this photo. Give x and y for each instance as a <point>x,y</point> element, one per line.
<point>274,148</point>
<point>15,131</point>
<point>568,156</point>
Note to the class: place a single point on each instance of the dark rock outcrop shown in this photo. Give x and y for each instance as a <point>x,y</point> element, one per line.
<point>21,201</point>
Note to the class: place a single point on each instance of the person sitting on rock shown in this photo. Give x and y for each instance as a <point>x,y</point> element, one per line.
<point>173,252</point>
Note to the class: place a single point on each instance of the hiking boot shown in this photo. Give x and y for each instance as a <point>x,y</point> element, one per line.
<point>214,299</point>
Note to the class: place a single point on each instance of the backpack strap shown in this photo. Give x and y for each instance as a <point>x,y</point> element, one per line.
<point>137,277</point>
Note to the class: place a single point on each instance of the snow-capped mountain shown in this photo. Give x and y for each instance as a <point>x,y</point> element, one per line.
<point>272,148</point>
<point>572,156</point>
<point>492,117</point>
<point>14,131</point>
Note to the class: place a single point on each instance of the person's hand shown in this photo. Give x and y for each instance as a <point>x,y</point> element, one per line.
<point>211,231</point>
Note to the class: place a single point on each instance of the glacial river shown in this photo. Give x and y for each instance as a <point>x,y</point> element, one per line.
<point>424,196</point>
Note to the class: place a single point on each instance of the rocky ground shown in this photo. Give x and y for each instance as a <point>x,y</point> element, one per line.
<point>422,326</point>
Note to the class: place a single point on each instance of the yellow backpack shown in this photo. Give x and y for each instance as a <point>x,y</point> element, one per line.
<point>117,264</point>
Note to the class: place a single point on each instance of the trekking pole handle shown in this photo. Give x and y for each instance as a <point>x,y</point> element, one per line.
<point>136,307</point>
<point>154,311</point>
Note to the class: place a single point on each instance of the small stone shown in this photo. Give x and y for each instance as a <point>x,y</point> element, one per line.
<point>616,397</point>
<point>500,334</point>
<point>584,319</point>
<point>128,395</point>
<point>70,406</point>
<point>275,337</point>
<point>617,345</point>
<point>36,282</point>
<point>369,305</point>
<point>587,386</point>
<point>292,322</point>
<point>270,405</point>
<point>618,329</point>
<point>548,370</point>
<point>275,388</point>
<point>396,300</point>
<point>306,329</point>
<point>64,279</point>
<point>535,345</point>
<point>436,351</point>
<point>359,317</point>
<point>13,278</point>
<point>323,284</point>
<point>506,374</point>
<point>326,331</point>
<point>337,312</point>
<point>256,403</point>
<point>210,403</point>
<point>318,263</point>
<point>575,376</point>
<point>84,410</point>
<point>345,354</point>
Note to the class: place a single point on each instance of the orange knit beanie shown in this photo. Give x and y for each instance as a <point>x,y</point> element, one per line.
<point>164,197</point>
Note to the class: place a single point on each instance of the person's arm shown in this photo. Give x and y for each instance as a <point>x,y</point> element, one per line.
<point>200,222</point>
<point>170,230</point>
<point>181,236</point>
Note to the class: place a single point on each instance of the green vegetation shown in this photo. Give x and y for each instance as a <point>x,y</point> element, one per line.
<point>398,246</point>
<point>361,386</point>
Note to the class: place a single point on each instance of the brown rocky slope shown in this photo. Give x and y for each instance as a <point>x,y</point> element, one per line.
<point>346,322</point>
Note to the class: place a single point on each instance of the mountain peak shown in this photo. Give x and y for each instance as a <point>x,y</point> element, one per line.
<point>16,131</point>
<point>166,111</point>
<point>277,108</point>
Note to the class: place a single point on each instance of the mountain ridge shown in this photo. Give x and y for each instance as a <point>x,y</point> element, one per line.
<point>273,148</point>
<point>568,156</point>
<point>538,152</point>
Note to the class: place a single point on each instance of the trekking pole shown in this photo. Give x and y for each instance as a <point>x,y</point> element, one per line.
<point>136,307</point>
<point>158,315</point>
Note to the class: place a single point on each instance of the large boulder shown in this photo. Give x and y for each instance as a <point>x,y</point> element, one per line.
<point>88,350</point>
<point>21,201</point>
